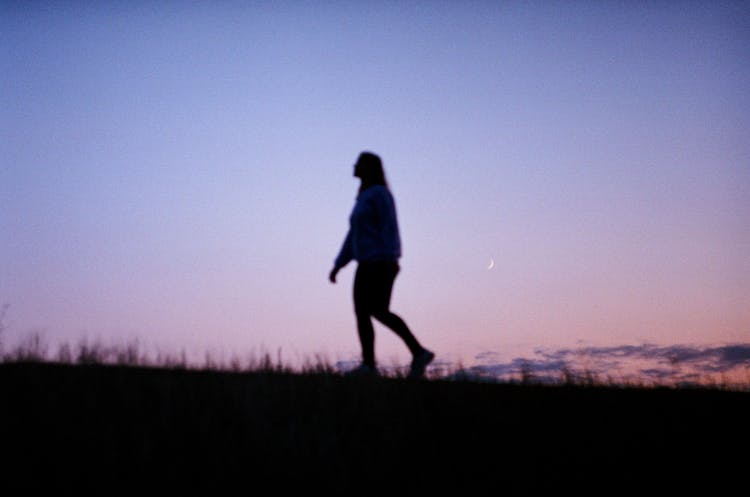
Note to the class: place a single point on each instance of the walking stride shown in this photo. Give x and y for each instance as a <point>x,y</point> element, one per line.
<point>373,241</point>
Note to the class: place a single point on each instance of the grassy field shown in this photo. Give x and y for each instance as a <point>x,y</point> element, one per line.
<point>73,429</point>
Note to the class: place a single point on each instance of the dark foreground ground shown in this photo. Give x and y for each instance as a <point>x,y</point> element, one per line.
<point>109,429</point>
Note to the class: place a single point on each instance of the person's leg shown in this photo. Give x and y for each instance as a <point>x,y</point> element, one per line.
<point>363,297</point>
<point>395,323</point>
<point>421,357</point>
<point>383,286</point>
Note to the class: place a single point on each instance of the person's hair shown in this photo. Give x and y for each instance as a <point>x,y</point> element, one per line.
<point>370,171</point>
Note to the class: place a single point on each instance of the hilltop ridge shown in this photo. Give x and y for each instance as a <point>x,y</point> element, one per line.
<point>81,429</point>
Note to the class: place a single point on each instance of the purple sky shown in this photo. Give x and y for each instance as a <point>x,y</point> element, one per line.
<point>181,173</point>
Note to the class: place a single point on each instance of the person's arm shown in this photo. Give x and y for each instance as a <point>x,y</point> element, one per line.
<point>346,254</point>
<point>385,211</point>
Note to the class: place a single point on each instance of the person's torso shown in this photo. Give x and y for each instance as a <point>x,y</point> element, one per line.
<point>374,226</point>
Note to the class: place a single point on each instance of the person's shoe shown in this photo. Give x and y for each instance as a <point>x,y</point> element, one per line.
<point>419,363</point>
<point>363,370</point>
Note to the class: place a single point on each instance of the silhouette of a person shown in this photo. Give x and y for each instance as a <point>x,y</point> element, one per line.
<point>373,241</point>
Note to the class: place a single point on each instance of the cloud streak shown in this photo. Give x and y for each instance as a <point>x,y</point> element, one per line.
<point>646,362</point>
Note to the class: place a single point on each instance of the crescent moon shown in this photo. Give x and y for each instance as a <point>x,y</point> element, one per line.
<point>492,263</point>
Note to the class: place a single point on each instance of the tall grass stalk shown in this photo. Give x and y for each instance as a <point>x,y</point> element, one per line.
<point>87,353</point>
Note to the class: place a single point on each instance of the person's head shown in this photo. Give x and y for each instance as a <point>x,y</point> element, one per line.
<point>369,168</point>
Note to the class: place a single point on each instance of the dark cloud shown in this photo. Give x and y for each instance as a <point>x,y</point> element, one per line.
<point>519,366</point>
<point>487,356</point>
<point>734,355</point>
<point>649,362</point>
<point>725,357</point>
<point>657,373</point>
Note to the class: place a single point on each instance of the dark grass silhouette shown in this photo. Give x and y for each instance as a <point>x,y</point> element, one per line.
<point>85,429</point>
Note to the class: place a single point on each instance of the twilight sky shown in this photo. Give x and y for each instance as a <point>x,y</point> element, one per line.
<point>180,173</point>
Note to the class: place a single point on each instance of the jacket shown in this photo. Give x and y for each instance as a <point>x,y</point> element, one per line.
<point>373,229</point>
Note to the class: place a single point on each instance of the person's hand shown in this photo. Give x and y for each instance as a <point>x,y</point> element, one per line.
<point>332,276</point>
